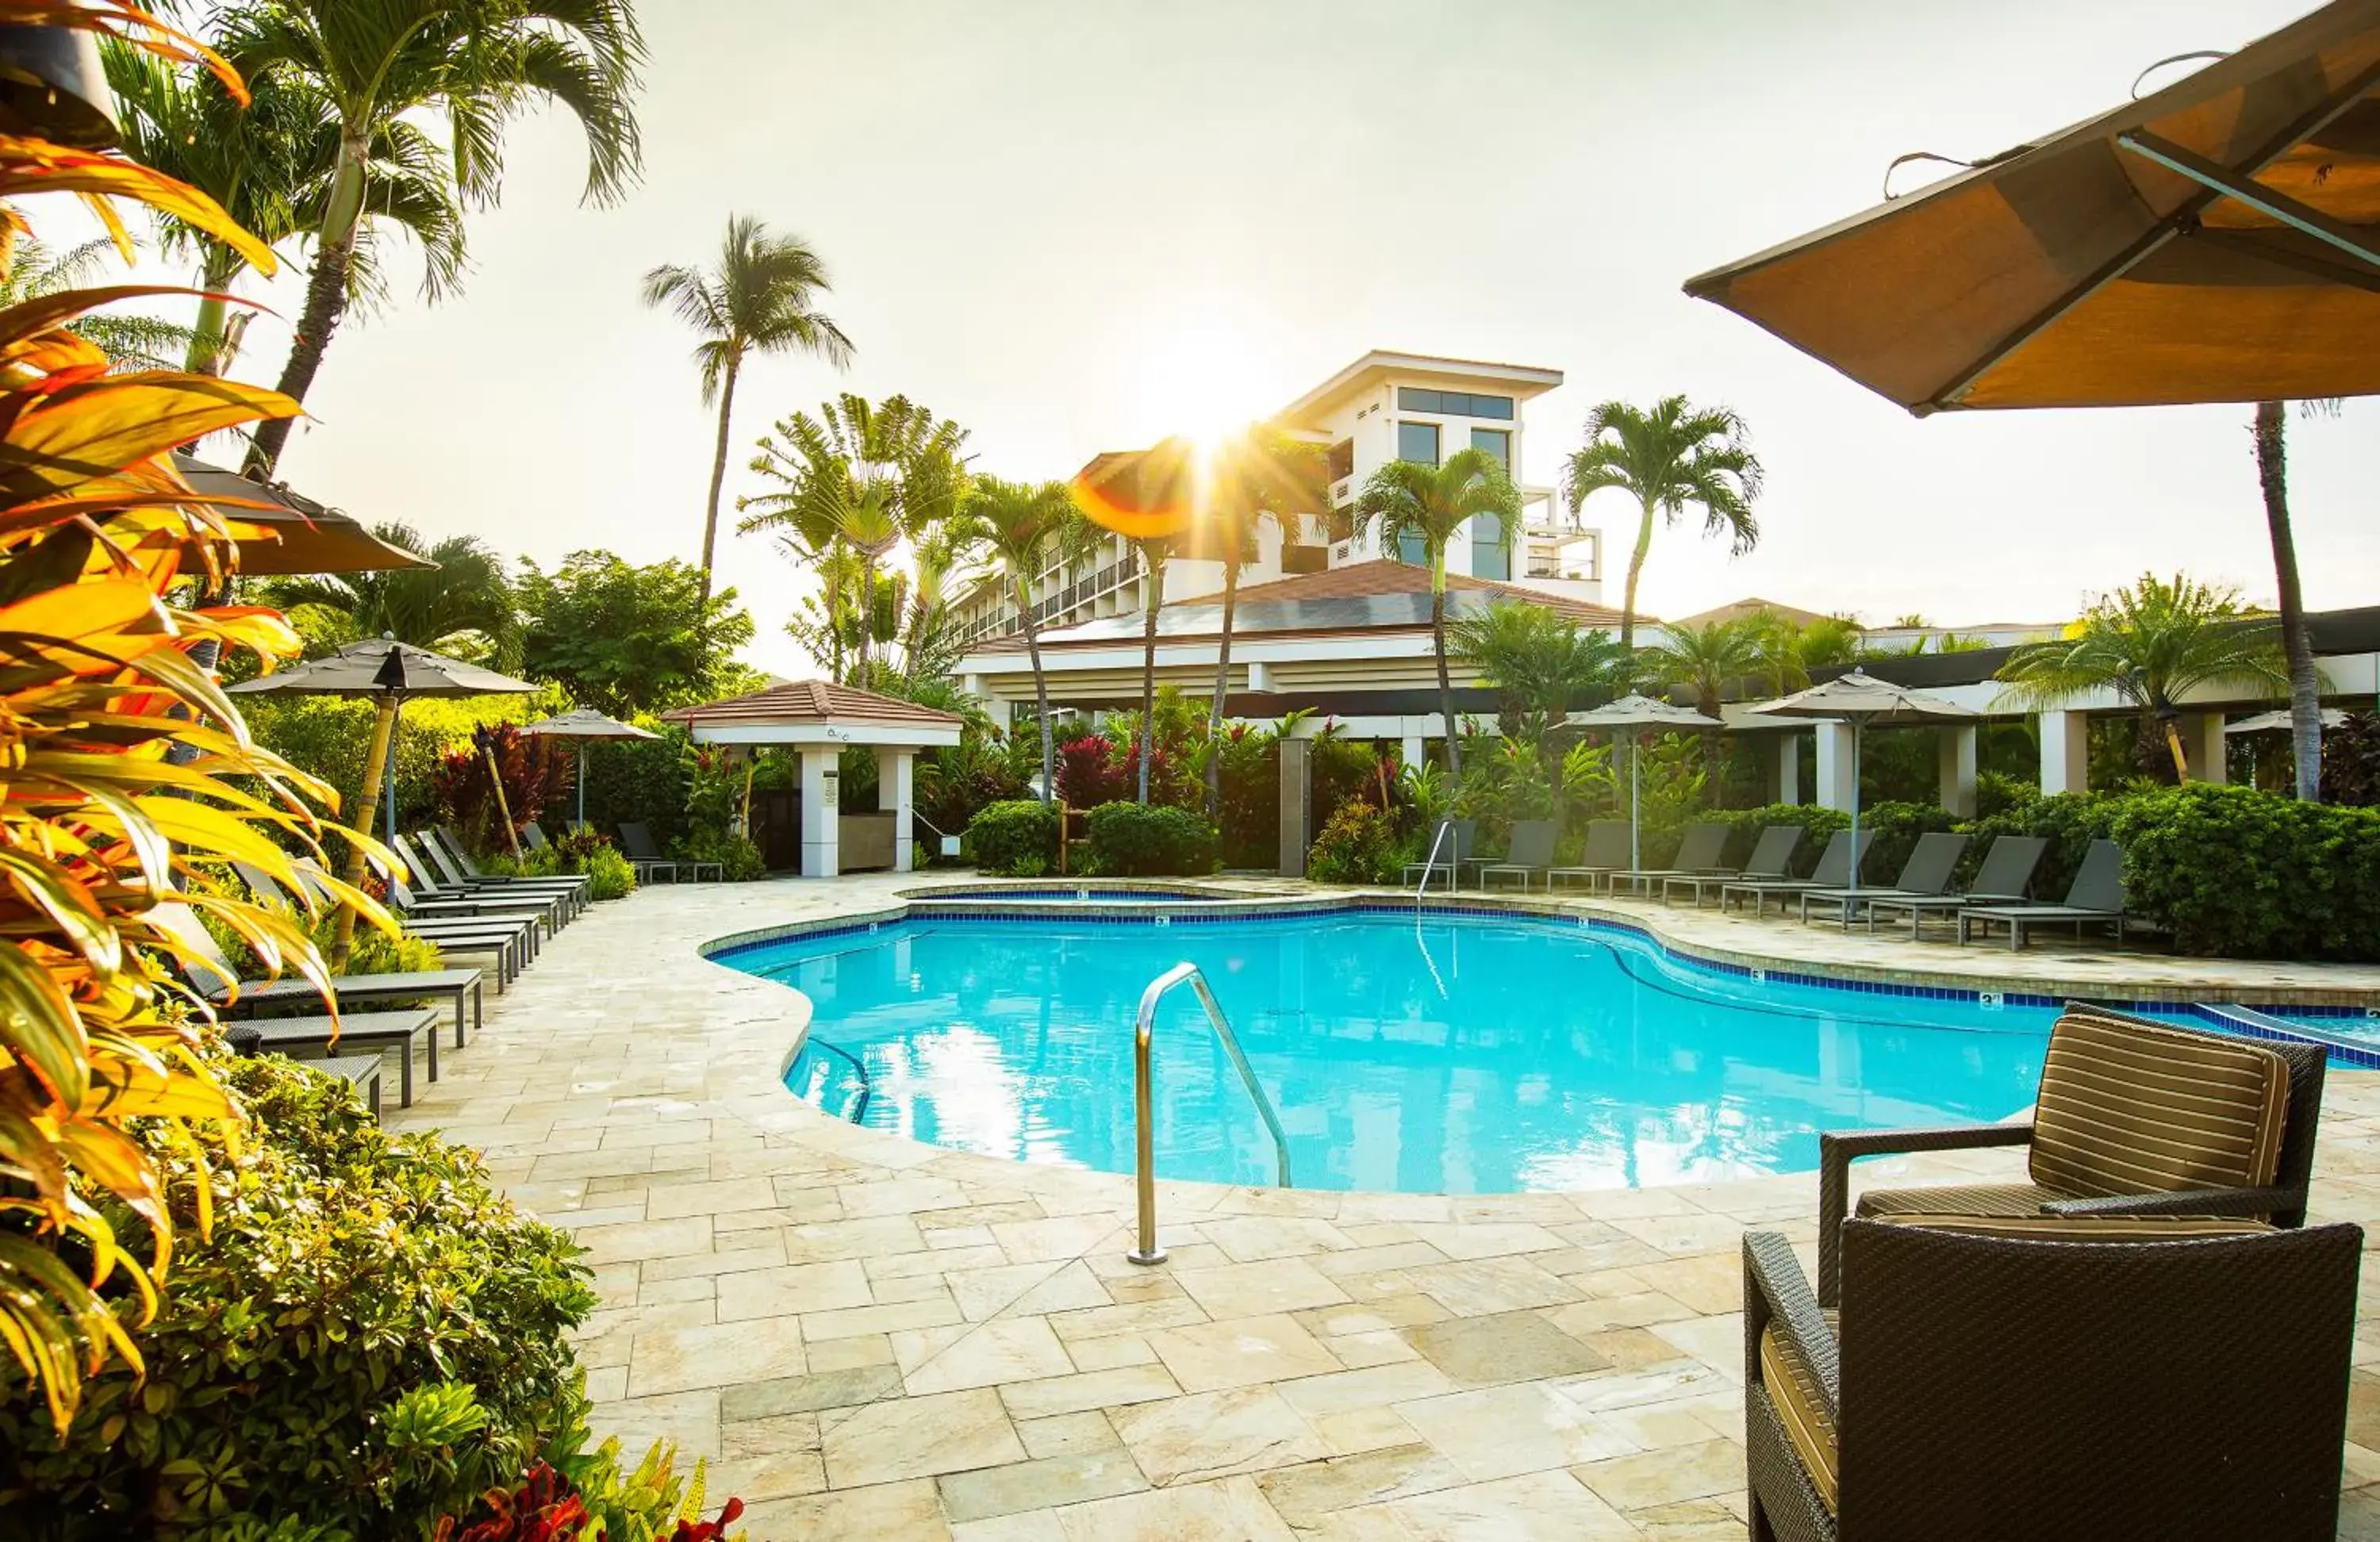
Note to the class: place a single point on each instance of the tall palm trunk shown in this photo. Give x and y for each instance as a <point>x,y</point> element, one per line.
<point>718,470</point>
<point>326,302</point>
<point>214,338</point>
<point>1445,680</point>
<point>1040,693</point>
<point>862,676</point>
<point>2305,686</point>
<point>1223,683</point>
<point>1152,596</point>
<point>1627,602</point>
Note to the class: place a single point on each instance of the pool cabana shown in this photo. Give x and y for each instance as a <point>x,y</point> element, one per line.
<point>820,720</point>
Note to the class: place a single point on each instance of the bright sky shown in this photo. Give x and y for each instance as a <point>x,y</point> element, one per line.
<point>1080,225</point>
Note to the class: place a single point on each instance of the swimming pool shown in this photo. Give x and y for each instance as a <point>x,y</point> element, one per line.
<point>1455,1054</point>
<point>1087,894</point>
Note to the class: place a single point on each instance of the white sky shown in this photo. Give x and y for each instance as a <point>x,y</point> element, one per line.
<point>1081,226</point>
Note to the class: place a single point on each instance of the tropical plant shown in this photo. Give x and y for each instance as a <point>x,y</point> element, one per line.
<point>1260,474</point>
<point>468,67</point>
<point>943,557</point>
<point>2350,762</point>
<point>2297,644</point>
<point>463,606</point>
<point>1705,660</point>
<point>36,273</point>
<point>1672,458</point>
<point>1026,525</point>
<point>1357,845</point>
<point>369,1334</point>
<point>1787,652</point>
<point>1407,501</point>
<point>2153,644</point>
<point>1130,840</point>
<point>629,640</point>
<point>271,164</point>
<point>1018,838</point>
<point>762,297</point>
<point>1543,663</point>
<point>99,823</point>
<point>861,477</point>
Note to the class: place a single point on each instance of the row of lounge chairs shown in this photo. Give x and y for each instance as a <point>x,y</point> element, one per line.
<point>644,854</point>
<point>1996,902</point>
<point>500,922</point>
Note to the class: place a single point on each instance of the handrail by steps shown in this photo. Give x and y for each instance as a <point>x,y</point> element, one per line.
<point>1144,1023</point>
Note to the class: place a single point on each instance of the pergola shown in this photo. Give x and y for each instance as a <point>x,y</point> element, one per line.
<point>821,720</point>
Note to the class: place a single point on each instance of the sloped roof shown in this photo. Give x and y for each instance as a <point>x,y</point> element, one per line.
<point>799,701</point>
<point>1737,609</point>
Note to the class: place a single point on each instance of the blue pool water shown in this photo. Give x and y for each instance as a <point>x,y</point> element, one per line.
<point>1463,1055</point>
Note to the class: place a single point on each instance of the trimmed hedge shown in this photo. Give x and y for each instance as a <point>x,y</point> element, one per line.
<point>2245,874</point>
<point>1130,841</point>
<point>1015,839</point>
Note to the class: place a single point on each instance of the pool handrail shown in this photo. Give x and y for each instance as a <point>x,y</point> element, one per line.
<point>1144,1024</point>
<point>1445,828</point>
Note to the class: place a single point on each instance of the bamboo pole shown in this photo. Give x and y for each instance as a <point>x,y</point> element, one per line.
<point>497,780</point>
<point>343,935</point>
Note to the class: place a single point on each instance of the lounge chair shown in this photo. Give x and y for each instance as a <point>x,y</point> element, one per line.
<point>1772,857</point>
<point>533,837</point>
<point>2180,1380</point>
<point>510,943</point>
<point>1836,865</point>
<point>1699,852</point>
<point>1530,855</point>
<point>2134,1117</point>
<point>1450,845</point>
<point>1606,853</point>
<point>2004,878</point>
<point>2094,898</point>
<point>358,1030</point>
<point>440,896</point>
<point>361,1072</point>
<point>441,842</point>
<point>636,845</point>
<point>210,971</point>
<point>1924,876</point>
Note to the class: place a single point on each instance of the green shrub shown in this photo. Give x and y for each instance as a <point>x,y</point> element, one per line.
<point>614,877</point>
<point>371,1335</point>
<point>737,857</point>
<point>1015,839</point>
<point>2245,874</point>
<point>2069,822</point>
<point>1897,827</point>
<point>1358,845</point>
<point>612,874</point>
<point>1130,841</point>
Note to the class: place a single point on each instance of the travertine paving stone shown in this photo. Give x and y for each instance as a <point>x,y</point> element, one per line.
<point>884,1342</point>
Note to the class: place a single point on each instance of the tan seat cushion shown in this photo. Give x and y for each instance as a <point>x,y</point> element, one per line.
<point>1792,1387</point>
<point>2126,1108</point>
<point>1993,1200</point>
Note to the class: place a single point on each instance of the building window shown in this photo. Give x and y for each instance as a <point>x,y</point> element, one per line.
<point>1417,442</point>
<point>1342,460</point>
<point>1305,559</point>
<point>1491,554</point>
<point>1342,522</point>
<point>1412,549</point>
<point>1497,443</point>
<point>1454,403</point>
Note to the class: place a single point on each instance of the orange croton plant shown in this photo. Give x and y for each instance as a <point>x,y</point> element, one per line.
<point>101,819</point>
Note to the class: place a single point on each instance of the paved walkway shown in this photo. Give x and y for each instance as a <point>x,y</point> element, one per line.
<point>877,1339</point>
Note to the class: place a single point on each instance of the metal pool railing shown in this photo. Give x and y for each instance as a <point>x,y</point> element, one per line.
<point>1144,1023</point>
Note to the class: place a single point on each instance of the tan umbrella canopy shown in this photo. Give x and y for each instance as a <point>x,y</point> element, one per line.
<point>307,537</point>
<point>1638,712</point>
<point>2217,241</point>
<point>1859,698</point>
<point>585,723</point>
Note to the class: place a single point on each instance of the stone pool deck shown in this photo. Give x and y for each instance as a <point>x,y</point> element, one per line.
<point>879,1339</point>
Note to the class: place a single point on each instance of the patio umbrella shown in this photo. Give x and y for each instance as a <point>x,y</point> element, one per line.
<point>583,725</point>
<point>312,537</point>
<point>1861,698</point>
<point>2215,241</point>
<point>387,670</point>
<point>2266,723</point>
<point>1638,712</point>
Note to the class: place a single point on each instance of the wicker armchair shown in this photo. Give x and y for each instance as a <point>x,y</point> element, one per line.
<point>2062,1187</point>
<point>1978,1385</point>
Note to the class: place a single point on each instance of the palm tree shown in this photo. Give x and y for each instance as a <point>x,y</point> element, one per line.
<point>1155,551</point>
<point>1674,458</point>
<point>1542,662</point>
<point>1023,523</point>
<point>2152,644</point>
<point>1705,659</point>
<point>760,298</point>
<point>273,164</point>
<point>1261,475</point>
<point>1407,500</point>
<point>2305,684</point>
<point>465,605</point>
<point>867,475</point>
<point>470,67</point>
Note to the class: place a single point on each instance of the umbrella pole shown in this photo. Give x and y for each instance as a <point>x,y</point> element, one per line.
<point>582,781</point>
<point>1635,809</point>
<point>388,783</point>
<point>1855,803</point>
<point>342,934</point>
